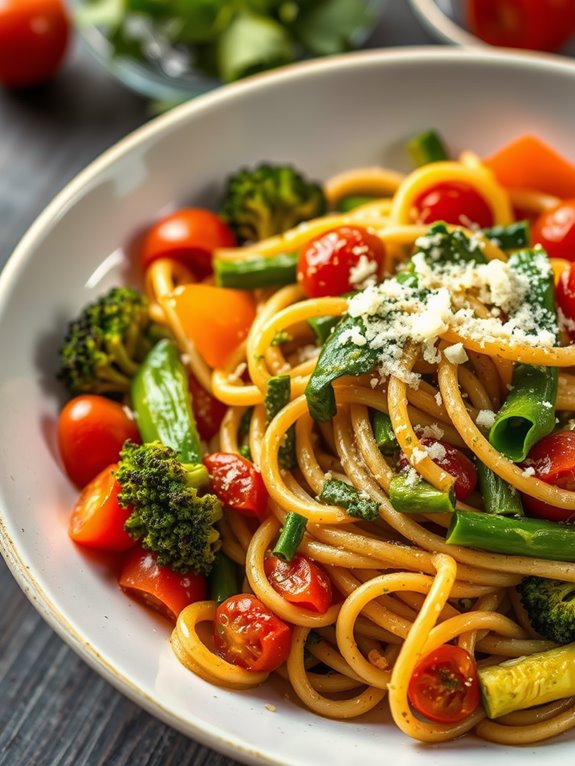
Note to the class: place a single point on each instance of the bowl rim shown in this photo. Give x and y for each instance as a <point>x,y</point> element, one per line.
<point>191,725</point>
<point>440,24</point>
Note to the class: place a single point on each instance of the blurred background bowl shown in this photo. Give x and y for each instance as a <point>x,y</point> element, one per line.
<point>161,69</point>
<point>450,22</point>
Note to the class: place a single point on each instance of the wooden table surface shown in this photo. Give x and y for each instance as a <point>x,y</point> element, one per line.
<point>53,708</point>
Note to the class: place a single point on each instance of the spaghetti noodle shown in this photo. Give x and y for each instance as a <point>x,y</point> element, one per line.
<point>403,589</point>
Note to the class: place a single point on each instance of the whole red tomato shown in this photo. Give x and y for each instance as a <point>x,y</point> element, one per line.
<point>34,36</point>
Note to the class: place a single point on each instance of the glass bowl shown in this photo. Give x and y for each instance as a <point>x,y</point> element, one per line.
<point>169,72</point>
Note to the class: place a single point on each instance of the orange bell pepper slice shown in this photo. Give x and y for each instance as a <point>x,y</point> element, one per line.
<point>216,319</point>
<point>529,163</point>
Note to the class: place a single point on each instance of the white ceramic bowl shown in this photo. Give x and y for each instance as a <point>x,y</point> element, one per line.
<point>323,117</point>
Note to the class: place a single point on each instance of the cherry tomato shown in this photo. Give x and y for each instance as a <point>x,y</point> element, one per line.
<point>555,231</point>
<point>98,519</point>
<point>454,202</point>
<point>300,581</point>
<point>248,634</point>
<point>326,263</point>
<point>34,37</point>
<point>91,433</point>
<point>216,319</point>
<point>453,461</point>
<point>565,295</point>
<point>237,483</point>
<point>209,411</point>
<point>553,460</point>
<point>543,25</point>
<point>444,686</point>
<point>189,235</point>
<point>159,587</point>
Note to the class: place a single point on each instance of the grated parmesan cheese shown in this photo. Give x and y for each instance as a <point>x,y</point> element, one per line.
<point>456,354</point>
<point>485,418</point>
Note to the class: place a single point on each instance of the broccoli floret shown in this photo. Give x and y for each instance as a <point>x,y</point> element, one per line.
<point>168,515</point>
<point>550,606</point>
<point>269,200</point>
<point>106,343</point>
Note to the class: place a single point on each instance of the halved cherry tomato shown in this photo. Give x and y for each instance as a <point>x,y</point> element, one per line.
<point>91,433</point>
<point>453,461</point>
<point>300,581</point>
<point>217,319</point>
<point>326,262</point>
<point>159,587</point>
<point>454,202</point>
<point>444,686</point>
<point>555,231</point>
<point>248,634</point>
<point>553,460</point>
<point>189,235</point>
<point>34,36</point>
<point>209,411</point>
<point>543,25</point>
<point>98,519</point>
<point>237,483</point>
<point>565,295</point>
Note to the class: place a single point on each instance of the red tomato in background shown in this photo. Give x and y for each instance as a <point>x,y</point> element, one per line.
<point>553,460</point>
<point>565,296</point>
<point>98,519</point>
<point>455,463</point>
<point>300,581</point>
<point>34,37</point>
<point>454,202</point>
<point>555,231</point>
<point>237,483</point>
<point>189,235</point>
<point>444,686</point>
<point>325,262</point>
<point>248,634</point>
<point>91,433</point>
<point>159,587</point>
<point>543,25</point>
<point>208,411</point>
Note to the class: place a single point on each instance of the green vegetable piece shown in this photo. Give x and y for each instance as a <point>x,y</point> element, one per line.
<point>516,536</point>
<point>337,358</point>
<point>427,147</point>
<point>278,394</point>
<point>383,432</point>
<point>528,413</point>
<point>346,204</point>
<point>252,43</point>
<point>550,606</point>
<point>223,580</point>
<point>528,681</point>
<point>335,492</point>
<point>162,402</point>
<point>440,245</point>
<point>290,537</point>
<point>322,327</point>
<point>509,237</point>
<point>268,200</point>
<point>256,271</point>
<point>418,496</point>
<point>325,27</point>
<point>281,337</point>
<point>168,515</point>
<point>105,345</point>
<point>499,497</point>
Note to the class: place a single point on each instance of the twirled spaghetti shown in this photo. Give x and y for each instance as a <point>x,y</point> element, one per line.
<point>402,587</point>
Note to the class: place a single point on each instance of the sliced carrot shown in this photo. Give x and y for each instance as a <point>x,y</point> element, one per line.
<point>216,319</point>
<point>529,163</point>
